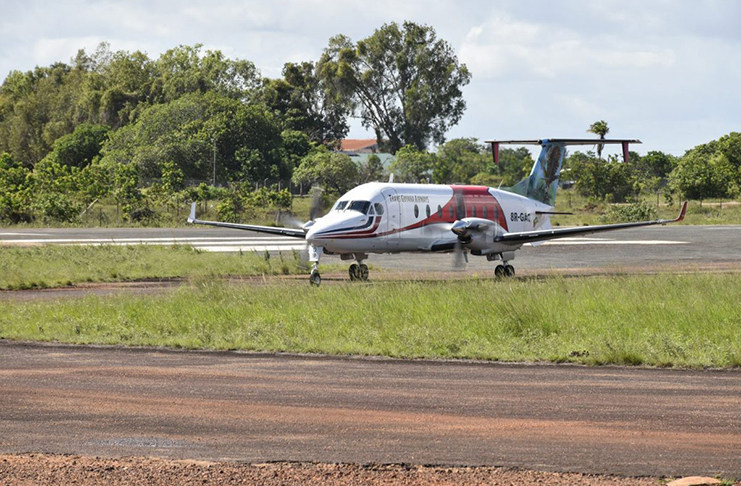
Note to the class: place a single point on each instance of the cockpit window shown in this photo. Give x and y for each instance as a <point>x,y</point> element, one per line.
<point>340,205</point>
<point>361,206</point>
<point>379,208</point>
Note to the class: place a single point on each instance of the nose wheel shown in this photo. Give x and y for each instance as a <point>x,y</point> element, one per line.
<point>358,272</point>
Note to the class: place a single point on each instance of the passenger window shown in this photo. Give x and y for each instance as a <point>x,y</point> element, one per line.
<point>379,208</point>
<point>452,212</point>
<point>473,211</point>
<point>485,215</point>
<point>427,210</point>
<point>416,211</point>
<point>439,211</point>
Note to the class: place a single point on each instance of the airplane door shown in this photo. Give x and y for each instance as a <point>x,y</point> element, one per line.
<point>393,217</point>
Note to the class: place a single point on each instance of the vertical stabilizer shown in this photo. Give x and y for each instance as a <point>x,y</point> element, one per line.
<point>542,183</point>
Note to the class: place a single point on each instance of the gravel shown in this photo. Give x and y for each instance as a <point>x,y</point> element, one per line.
<point>42,469</point>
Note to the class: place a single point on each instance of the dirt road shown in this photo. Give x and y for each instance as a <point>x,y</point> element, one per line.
<point>222,406</point>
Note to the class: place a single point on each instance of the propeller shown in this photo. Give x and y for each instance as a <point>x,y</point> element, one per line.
<point>290,220</point>
<point>460,256</point>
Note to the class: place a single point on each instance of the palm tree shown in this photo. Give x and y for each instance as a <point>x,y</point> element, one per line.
<point>599,128</point>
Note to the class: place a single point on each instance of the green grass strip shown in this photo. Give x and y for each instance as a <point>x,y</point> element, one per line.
<point>54,266</point>
<point>665,320</point>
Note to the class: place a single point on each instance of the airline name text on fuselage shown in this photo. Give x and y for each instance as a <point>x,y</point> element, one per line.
<point>409,198</point>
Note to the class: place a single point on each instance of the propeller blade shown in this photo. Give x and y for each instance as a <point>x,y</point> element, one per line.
<point>316,203</point>
<point>289,220</point>
<point>460,257</point>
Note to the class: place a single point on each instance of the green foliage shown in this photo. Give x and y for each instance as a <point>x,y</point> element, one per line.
<point>624,213</point>
<point>459,161</point>
<point>305,104</point>
<point>334,171</point>
<point>406,81</point>
<point>711,170</point>
<point>248,142</point>
<point>599,128</point>
<point>79,148</point>
<point>612,181</point>
<point>370,170</point>
<point>412,165</point>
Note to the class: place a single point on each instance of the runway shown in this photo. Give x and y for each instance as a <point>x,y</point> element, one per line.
<point>675,246</point>
<point>114,402</point>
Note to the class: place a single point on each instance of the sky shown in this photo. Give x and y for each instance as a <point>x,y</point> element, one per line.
<point>665,71</point>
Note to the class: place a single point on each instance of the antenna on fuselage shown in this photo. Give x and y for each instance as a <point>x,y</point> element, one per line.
<point>391,178</point>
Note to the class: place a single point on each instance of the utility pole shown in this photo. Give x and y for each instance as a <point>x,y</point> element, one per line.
<point>213,139</point>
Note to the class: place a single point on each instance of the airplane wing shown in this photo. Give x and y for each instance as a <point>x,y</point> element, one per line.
<point>295,233</point>
<point>551,234</point>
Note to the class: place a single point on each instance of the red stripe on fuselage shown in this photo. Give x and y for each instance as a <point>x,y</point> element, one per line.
<point>473,197</point>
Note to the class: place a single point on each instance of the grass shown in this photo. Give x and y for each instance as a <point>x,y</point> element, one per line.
<point>713,212</point>
<point>55,266</point>
<point>666,320</point>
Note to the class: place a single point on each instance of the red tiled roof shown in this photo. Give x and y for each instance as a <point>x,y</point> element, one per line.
<point>351,145</point>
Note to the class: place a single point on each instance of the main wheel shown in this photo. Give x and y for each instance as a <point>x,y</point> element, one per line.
<point>354,272</point>
<point>363,272</point>
<point>499,271</point>
<point>315,279</point>
<point>509,271</point>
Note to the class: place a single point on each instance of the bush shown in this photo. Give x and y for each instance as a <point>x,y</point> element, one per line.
<point>629,212</point>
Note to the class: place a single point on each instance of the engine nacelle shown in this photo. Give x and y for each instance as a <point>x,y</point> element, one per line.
<point>478,235</point>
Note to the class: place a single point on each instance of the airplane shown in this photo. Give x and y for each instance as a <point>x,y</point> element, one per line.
<point>388,217</point>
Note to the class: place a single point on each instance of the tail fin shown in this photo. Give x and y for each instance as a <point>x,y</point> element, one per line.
<point>542,183</point>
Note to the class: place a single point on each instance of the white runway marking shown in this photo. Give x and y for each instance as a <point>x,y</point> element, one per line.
<point>569,241</point>
<point>87,241</point>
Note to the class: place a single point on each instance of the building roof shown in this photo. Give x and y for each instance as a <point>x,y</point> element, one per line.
<point>353,145</point>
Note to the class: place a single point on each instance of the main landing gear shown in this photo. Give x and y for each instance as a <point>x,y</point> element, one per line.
<point>358,272</point>
<point>505,269</point>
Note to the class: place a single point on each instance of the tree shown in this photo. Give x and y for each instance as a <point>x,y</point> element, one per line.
<point>406,81</point>
<point>599,128</point>
<point>248,140</point>
<point>596,179</point>
<point>459,160</point>
<point>306,104</point>
<point>79,148</point>
<point>334,171</point>
<point>412,165</point>
<point>370,170</point>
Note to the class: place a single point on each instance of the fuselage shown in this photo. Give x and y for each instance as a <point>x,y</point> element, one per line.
<point>389,217</point>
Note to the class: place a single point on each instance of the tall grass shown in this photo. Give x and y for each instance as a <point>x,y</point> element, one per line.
<point>53,266</point>
<point>666,320</point>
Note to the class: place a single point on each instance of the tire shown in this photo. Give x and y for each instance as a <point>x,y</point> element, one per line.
<point>363,272</point>
<point>315,279</point>
<point>509,271</point>
<point>499,271</point>
<point>354,272</point>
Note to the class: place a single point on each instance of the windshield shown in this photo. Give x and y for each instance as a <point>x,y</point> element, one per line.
<point>361,206</point>
<point>340,205</point>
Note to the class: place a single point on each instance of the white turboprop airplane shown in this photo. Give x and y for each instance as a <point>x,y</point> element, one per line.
<point>393,218</point>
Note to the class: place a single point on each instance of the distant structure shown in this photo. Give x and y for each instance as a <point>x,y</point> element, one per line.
<point>352,146</point>
<point>360,149</point>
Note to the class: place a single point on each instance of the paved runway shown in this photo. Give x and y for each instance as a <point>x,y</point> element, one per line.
<point>255,408</point>
<point>677,247</point>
